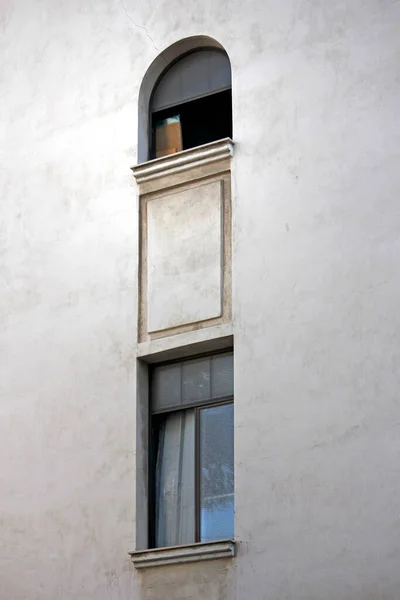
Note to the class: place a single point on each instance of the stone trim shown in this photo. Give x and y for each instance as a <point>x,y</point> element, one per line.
<point>175,555</point>
<point>182,345</point>
<point>181,161</point>
<point>193,181</point>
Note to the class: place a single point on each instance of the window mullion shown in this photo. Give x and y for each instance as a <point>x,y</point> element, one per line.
<point>197,476</point>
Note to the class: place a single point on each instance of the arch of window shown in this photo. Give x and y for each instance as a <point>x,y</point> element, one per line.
<point>185,99</point>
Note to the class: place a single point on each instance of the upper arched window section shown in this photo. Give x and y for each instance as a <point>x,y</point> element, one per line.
<point>191,103</point>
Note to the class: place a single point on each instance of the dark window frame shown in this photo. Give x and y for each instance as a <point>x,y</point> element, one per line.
<point>172,108</point>
<point>155,420</point>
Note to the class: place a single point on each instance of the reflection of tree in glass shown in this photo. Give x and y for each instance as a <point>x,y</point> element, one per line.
<point>217,484</point>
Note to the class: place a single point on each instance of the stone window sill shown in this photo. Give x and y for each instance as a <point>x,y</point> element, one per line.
<point>199,156</point>
<point>177,555</point>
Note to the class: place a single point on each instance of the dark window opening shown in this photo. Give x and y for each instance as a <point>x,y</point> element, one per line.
<point>192,124</point>
<point>191,482</point>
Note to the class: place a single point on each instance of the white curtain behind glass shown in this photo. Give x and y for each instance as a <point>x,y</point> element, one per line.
<point>175,481</point>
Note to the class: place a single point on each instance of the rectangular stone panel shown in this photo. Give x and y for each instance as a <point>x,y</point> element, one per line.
<point>184,257</point>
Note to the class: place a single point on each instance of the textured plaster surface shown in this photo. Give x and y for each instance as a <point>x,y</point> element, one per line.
<point>316,297</point>
<point>184,256</point>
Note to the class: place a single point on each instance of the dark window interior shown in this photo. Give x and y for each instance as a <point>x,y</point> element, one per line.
<point>191,467</point>
<point>202,121</point>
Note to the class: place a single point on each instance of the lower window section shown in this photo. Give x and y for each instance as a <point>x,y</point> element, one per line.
<point>216,473</point>
<point>175,481</point>
<point>194,487</point>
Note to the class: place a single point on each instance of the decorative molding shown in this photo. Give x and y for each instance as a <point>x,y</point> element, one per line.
<point>182,345</point>
<point>176,555</point>
<point>181,161</point>
<point>184,255</point>
<point>186,191</point>
<point>183,198</point>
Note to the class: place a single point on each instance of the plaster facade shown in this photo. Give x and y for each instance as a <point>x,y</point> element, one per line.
<point>315,296</point>
<point>181,269</point>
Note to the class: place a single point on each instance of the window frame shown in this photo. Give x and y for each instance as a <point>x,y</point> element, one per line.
<point>153,438</point>
<point>151,132</point>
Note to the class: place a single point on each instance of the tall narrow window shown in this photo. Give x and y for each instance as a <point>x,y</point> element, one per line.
<point>192,103</point>
<point>192,430</point>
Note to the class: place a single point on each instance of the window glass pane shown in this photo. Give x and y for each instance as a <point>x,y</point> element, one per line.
<point>220,72</point>
<point>193,76</point>
<point>175,480</point>
<point>194,70</point>
<point>166,387</point>
<point>222,375</point>
<point>196,380</point>
<point>216,473</point>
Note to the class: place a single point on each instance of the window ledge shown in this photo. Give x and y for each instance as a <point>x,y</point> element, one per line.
<point>181,161</point>
<point>176,555</point>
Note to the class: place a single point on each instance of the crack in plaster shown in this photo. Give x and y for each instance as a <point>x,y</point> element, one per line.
<point>143,27</point>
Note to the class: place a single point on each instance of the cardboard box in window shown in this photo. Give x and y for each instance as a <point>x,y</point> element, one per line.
<point>168,136</point>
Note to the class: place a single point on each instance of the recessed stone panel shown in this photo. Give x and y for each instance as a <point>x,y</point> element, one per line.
<point>184,257</point>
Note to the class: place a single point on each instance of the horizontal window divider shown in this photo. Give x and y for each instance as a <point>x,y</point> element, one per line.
<point>215,90</point>
<point>158,557</point>
<point>197,404</point>
<point>218,497</point>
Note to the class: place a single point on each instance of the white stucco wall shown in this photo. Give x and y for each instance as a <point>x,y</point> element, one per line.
<point>316,296</point>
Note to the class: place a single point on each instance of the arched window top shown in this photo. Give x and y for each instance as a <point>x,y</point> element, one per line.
<point>196,75</point>
<point>185,98</point>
